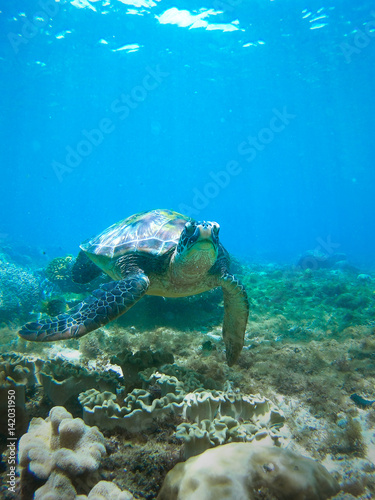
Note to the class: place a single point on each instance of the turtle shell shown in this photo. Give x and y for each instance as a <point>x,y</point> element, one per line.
<point>153,232</point>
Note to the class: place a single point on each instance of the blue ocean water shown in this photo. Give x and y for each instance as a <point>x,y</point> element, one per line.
<point>256,114</point>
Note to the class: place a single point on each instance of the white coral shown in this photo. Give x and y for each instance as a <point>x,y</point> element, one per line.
<point>240,470</point>
<point>60,442</point>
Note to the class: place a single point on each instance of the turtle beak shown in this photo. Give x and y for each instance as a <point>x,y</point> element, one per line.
<point>204,233</point>
<point>209,231</point>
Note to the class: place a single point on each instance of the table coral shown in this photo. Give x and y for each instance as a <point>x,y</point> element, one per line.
<point>243,470</point>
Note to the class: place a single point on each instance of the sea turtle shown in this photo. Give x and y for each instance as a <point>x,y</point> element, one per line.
<point>157,252</point>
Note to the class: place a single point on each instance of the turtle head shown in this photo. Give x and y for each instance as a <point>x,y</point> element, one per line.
<point>199,244</point>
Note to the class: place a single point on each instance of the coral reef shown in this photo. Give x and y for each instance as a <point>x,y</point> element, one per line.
<point>133,363</point>
<point>19,369</point>
<point>58,445</point>
<point>59,272</point>
<point>59,487</point>
<point>138,411</point>
<point>191,379</point>
<point>224,417</point>
<point>242,470</point>
<point>214,417</point>
<point>19,293</point>
<point>17,373</point>
<point>309,348</point>
<point>62,380</point>
<point>105,489</point>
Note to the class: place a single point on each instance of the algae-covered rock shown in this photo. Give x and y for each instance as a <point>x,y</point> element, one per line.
<point>351,301</point>
<point>242,470</point>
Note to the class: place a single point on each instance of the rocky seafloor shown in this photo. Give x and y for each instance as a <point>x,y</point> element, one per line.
<point>156,383</point>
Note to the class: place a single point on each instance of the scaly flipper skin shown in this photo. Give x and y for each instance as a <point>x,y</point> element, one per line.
<point>107,303</point>
<point>236,312</point>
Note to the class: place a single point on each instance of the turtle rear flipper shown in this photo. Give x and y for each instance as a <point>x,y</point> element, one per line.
<point>236,312</point>
<point>84,270</point>
<point>105,305</point>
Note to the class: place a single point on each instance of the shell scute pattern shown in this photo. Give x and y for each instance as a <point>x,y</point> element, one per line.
<point>153,232</point>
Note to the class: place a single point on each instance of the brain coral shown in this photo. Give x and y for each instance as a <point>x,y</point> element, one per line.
<point>242,470</point>
<point>59,443</point>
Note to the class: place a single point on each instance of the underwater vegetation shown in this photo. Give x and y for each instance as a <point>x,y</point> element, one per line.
<point>150,393</point>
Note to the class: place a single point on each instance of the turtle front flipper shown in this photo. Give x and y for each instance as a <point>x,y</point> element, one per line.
<point>106,304</point>
<point>236,312</point>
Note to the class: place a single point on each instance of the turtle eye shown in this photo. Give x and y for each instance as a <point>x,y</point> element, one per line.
<point>216,229</point>
<point>189,229</point>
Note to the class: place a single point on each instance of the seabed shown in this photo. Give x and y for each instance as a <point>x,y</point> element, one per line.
<point>309,352</point>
